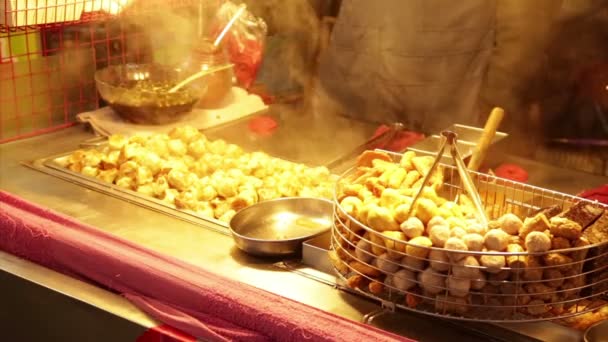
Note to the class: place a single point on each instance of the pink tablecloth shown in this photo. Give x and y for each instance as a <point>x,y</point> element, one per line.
<point>189,298</point>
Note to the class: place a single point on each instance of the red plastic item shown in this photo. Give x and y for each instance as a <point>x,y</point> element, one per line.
<point>599,194</point>
<point>513,172</point>
<point>400,142</point>
<point>164,333</point>
<point>247,62</point>
<point>263,125</point>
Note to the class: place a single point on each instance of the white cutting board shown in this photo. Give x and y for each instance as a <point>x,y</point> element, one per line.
<point>238,104</point>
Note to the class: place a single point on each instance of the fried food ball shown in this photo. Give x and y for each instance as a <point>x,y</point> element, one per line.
<point>412,227</point>
<point>178,179</point>
<point>537,242</point>
<point>391,198</point>
<point>128,169</point>
<point>516,262</point>
<point>197,148</point>
<point>90,171</point>
<point>393,246</point>
<point>492,263</point>
<point>439,235</point>
<point>479,283</point>
<point>363,251</point>
<point>108,176</point>
<point>151,161</point>
<point>425,210</point>
<point>475,228</point>
<point>143,175</point>
<point>381,219</point>
<point>404,280</point>
<point>457,244</point>
<point>432,281</point>
<point>126,182</point>
<point>413,263</point>
<point>458,287</point>
<point>467,268</point>
<point>177,148</point>
<point>458,232</point>
<point>439,260</point>
<point>117,141</point>
<point>92,159</point>
<point>419,252</point>
<point>436,220</point>
<point>218,147</point>
<point>402,212</point>
<point>187,200</point>
<point>496,240</point>
<point>511,224</point>
<point>158,144</point>
<point>474,242</point>
<point>187,134</point>
<point>386,264</point>
<point>378,243</point>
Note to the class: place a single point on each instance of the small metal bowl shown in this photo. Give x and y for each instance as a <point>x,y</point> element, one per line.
<point>278,227</point>
<point>139,92</point>
<point>597,332</point>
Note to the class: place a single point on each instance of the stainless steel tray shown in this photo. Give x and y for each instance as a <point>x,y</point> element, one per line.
<point>51,166</point>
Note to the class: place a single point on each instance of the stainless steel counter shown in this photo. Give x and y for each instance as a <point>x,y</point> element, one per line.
<point>215,251</point>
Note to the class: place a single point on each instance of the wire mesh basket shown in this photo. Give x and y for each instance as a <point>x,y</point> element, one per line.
<point>510,284</point>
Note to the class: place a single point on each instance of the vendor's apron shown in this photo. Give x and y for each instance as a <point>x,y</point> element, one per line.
<point>420,62</point>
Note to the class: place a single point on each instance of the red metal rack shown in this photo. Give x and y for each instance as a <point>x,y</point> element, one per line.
<point>50,49</point>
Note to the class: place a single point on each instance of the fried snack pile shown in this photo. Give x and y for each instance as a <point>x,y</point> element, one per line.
<point>439,254</point>
<point>213,179</point>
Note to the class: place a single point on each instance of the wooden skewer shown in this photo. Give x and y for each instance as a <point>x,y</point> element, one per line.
<point>489,131</point>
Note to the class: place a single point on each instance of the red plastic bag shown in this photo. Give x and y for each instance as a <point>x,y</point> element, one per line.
<point>244,42</point>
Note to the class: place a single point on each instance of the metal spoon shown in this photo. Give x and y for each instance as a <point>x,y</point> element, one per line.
<point>199,75</point>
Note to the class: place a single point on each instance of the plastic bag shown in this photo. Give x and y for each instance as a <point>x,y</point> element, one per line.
<point>244,42</point>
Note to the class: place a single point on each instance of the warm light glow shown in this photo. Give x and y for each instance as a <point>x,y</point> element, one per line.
<point>285,219</point>
<point>109,6</point>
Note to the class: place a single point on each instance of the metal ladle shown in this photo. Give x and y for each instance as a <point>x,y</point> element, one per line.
<point>199,75</point>
<point>449,139</point>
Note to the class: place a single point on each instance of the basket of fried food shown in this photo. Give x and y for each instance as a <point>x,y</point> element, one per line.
<point>542,255</point>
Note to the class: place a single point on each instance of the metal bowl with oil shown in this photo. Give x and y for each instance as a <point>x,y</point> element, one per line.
<point>279,227</point>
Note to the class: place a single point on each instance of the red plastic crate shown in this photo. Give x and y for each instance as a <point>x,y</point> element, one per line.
<point>46,70</point>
